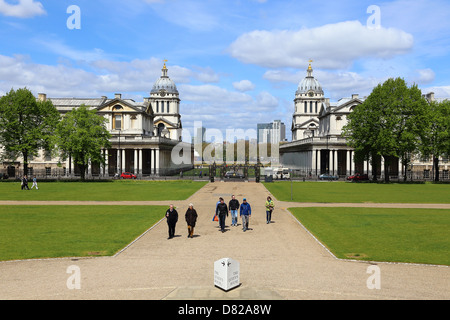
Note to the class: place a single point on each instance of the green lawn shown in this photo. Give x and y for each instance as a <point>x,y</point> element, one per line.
<point>360,192</point>
<point>394,235</point>
<point>121,190</point>
<point>71,231</point>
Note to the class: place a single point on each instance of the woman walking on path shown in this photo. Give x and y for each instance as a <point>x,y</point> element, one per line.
<point>245,212</point>
<point>172,218</point>
<point>191,219</point>
<point>269,209</point>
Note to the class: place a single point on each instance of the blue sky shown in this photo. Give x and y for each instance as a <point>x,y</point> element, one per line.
<point>235,62</point>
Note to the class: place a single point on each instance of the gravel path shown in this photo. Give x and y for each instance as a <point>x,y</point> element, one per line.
<point>280,260</point>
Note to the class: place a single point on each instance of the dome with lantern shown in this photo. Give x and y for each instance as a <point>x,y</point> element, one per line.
<point>164,84</point>
<point>309,85</point>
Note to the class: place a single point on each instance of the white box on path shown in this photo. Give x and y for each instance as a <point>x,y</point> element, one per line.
<point>226,274</point>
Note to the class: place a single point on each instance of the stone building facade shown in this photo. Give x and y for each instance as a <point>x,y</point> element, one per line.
<point>143,135</point>
<point>318,145</point>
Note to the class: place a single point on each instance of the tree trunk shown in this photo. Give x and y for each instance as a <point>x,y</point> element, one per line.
<point>374,168</point>
<point>83,172</point>
<point>436,168</point>
<point>25,163</point>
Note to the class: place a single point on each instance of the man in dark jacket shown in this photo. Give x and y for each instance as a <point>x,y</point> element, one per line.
<point>222,212</point>
<point>233,207</point>
<point>172,218</point>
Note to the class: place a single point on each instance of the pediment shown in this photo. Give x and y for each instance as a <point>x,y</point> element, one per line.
<point>166,123</point>
<point>118,105</point>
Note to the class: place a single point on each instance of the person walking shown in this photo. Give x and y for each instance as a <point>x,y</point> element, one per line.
<point>245,211</point>
<point>25,183</point>
<point>222,212</point>
<point>233,207</point>
<point>34,183</point>
<point>191,219</point>
<point>172,218</point>
<point>269,209</point>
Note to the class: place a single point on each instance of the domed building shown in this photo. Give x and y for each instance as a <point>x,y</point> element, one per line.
<point>165,102</point>
<point>143,135</point>
<point>308,101</point>
<point>317,144</point>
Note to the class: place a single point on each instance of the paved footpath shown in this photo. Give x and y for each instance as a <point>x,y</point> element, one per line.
<point>280,260</point>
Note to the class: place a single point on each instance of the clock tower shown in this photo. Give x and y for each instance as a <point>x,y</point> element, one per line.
<point>165,103</point>
<point>309,99</point>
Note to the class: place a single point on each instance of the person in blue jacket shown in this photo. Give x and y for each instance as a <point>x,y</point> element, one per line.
<point>245,211</point>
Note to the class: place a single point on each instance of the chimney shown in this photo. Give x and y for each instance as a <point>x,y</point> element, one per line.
<point>42,97</point>
<point>118,96</point>
<point>355,96</point>
<point>430,96</point>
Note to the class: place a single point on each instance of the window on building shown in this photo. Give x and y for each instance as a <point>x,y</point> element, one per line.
<point>48,171</point>
<point>316,106</point>
<point>162,106</point>
<point>118,122</point>
<point>306,106</point>
<point>310,106</point>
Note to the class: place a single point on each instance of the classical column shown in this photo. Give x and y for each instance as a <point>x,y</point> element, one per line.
<point>318,167</point>
<point>153,161</point>
<point>335,162</point>
<point>135,162</point>
<point>124,159</point>
<point>140,162</point>
<point>352,163</point>
<point>157,161</point>
<point>118,161</point>
<point>313,160</point>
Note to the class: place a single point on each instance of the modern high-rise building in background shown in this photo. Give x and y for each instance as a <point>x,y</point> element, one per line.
<point>274,132</point>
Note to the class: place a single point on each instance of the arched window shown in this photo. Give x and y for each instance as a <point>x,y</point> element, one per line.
<point>161,127</point>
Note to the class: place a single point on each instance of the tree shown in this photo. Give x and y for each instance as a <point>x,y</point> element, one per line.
<point>391,122</point>
<point>26,125</point>
<point>82,134</point>
<point>437,139</point>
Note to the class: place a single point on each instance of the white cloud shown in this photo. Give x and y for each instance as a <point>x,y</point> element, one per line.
<point>424,76</point>
<point>265,102</point>
<point>244,85</point>
<point>333,46</point>
<point>22,9</point>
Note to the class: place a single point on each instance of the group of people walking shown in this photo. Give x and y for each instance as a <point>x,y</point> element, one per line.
<point>172,219</point>
<point>222,211</point>
<point>24,183</point>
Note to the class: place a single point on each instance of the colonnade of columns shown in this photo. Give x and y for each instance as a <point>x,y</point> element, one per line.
<point>341,162</point>
<point>134,163</point>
